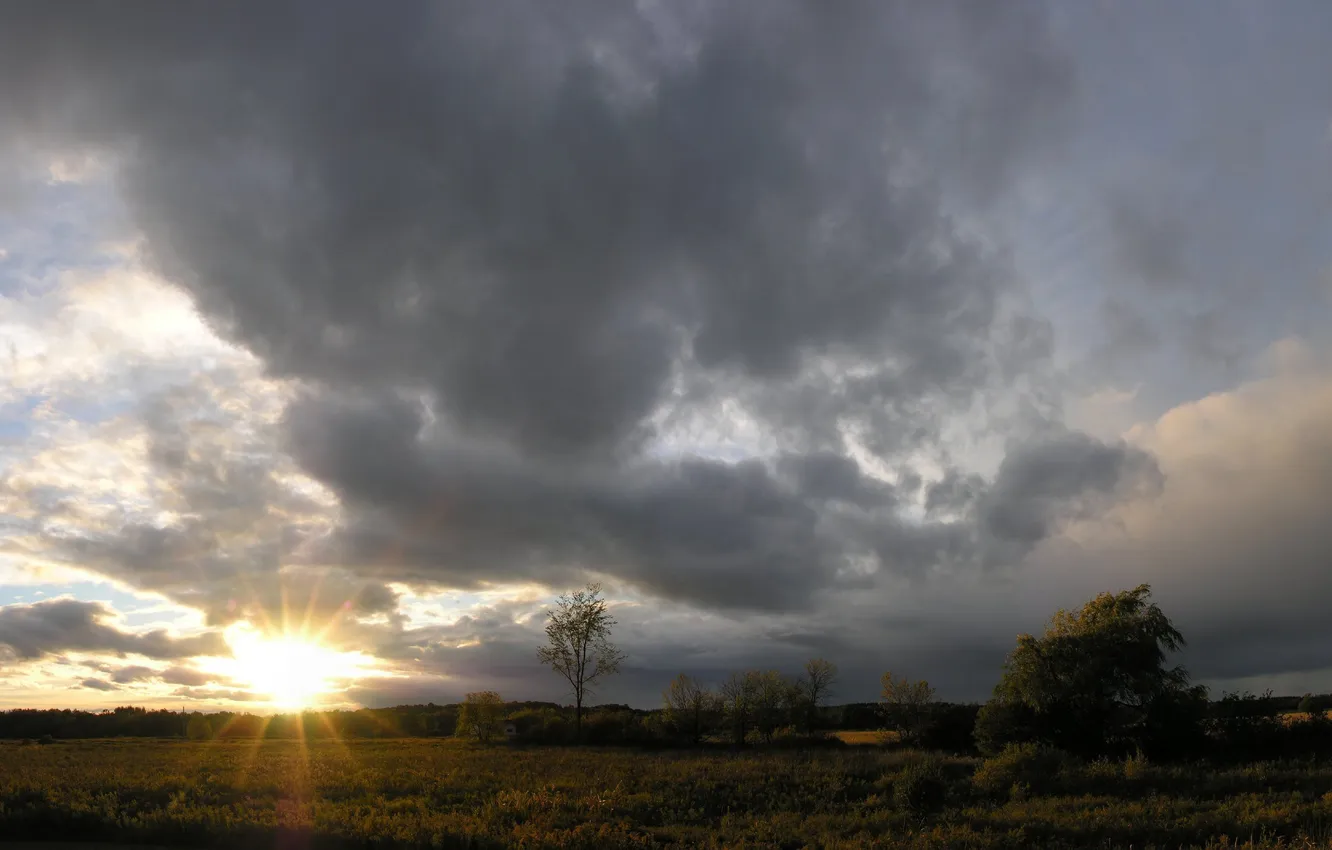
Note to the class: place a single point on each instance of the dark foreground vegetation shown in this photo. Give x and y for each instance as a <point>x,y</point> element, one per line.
<point>430,793</point>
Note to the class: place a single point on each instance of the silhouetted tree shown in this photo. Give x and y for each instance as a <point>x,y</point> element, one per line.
<point>772,696</point>
<point>1096,683</point>
<point>578,645</point>
<point>737,697</point>
<point>813,688</point>
<point>905,706</point>
<point>690,706</point>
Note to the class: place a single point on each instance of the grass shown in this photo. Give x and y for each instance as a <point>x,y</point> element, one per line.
<point>866,737</point>
<point>439,793</point>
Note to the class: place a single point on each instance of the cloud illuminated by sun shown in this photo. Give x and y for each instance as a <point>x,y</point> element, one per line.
<point>292,671</point>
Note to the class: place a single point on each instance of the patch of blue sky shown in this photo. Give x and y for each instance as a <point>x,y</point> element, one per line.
<point>120,600</point>
<point>59,227</point>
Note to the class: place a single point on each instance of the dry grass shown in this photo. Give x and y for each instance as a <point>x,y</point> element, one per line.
<point>423,793</point>
<point>1300,716</point>
<point>866,737</point>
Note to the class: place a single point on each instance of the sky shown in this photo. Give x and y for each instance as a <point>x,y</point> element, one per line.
<point>340,338</point>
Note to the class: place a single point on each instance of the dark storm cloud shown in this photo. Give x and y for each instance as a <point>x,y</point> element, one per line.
<point>444,509</point>
<point>1044,481</point>
<point>61,625</point>
<point>834,477</point>
<point>496,246</point>
<point>479,206</point>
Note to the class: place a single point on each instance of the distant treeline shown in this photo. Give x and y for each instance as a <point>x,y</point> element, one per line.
<point>543,721</point>
<point>1248,725</point>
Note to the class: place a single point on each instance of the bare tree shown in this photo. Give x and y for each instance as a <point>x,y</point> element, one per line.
<point>578,645</point>
<point>690,705</point>
<point>905,705</point>
<point>814,687</point>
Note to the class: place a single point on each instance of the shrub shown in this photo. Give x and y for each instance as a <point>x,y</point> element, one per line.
<point>1137,767</point>
<point>921,787</point>
<point>1000,723</point>
<point>1028,768</point>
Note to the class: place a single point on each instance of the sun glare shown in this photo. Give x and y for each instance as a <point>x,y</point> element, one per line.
<point>292,672</point>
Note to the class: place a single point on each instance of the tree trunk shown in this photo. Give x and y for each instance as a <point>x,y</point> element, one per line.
<point>578,719</point>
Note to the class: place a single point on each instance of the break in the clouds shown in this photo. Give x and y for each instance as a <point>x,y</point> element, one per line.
<point>810,330</point>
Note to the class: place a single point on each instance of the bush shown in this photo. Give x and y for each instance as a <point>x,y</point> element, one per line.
<point>1024,769</point>
<point>921,787</point>
<point>1001,723</point>
<point>1137,767</point>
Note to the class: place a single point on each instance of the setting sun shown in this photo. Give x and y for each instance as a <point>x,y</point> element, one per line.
<point>292,672</point>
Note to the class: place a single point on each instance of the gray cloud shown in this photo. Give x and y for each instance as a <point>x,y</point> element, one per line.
<point>498,250</point>
<point>535,240</point>
<point>59,625</point>
<point>133,673</point>
<point>185,676</point>
<point>1150,244</point>
<point>218,694</point>
<point>1060,477</point>
<point>98,685</point>
<point>512,261</point>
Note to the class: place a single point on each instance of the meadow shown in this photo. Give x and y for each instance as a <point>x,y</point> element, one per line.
<point>445,793</point>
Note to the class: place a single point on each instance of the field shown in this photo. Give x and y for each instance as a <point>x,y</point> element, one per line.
<point>435,793</point>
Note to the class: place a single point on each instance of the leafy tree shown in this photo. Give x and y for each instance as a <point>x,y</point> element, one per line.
<point>1096,683</point>
<point>1314,704</point>
<point>737,698</point>
<point>772,696</point>
<point>905,705</point>
<point>578,645</point>
<point>813,688</point>
<point>690,706</point>
<point>481,717</point>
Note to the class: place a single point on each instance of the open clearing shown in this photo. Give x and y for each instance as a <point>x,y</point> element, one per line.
<point>435,793</point>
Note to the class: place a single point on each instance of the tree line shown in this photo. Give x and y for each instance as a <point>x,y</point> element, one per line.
<point>1096,683</point>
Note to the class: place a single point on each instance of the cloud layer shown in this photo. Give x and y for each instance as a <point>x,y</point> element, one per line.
<point>733,305</point>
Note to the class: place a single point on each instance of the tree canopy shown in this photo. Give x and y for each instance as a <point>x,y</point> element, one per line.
<point>1096,682</point>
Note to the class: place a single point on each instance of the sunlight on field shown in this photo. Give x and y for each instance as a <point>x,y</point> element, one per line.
<point>431,793</point>
<point>1300,716</point>
<point>864,737</point>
